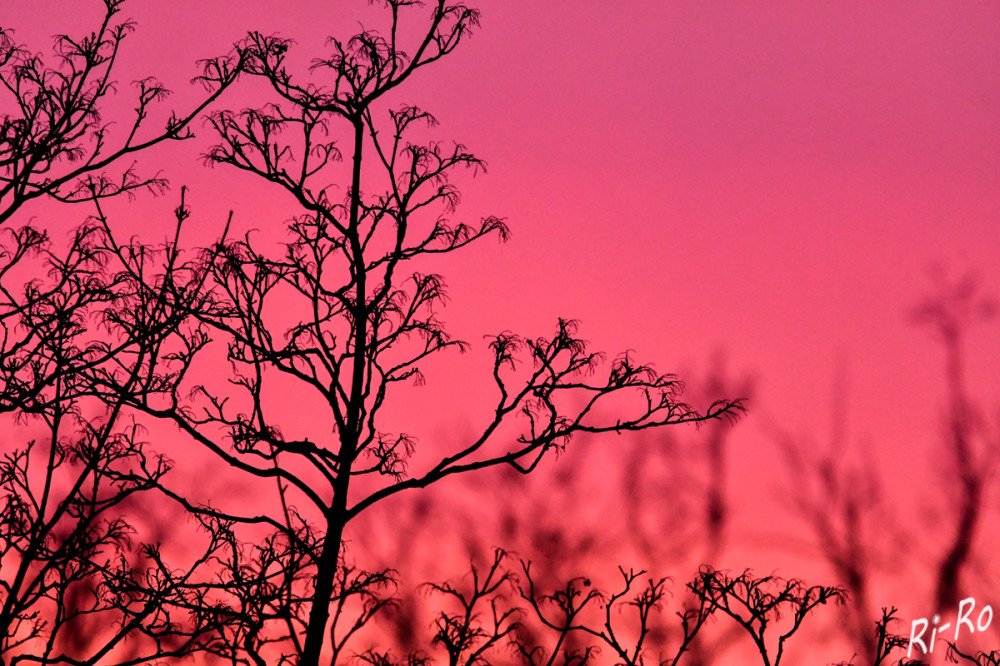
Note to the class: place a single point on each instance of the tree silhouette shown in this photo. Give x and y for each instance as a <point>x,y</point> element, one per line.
<point>110,336</point>
<point>341,314</point>
<point>951,313</point>
<point>639,623</point>
<point>75,587</point>
<point>56,143</point>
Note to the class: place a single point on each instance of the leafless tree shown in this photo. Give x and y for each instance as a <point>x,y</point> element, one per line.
<point>75,588</point>
<point>341,315</point>
<point>625,620</point>
<point>56,143</point>
<point>887,644</point>
<point>840,502</point>
<point>640,622</point>
<point>754,602</point>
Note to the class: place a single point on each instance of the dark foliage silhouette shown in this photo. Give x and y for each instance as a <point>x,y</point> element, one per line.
<point>955,655</point>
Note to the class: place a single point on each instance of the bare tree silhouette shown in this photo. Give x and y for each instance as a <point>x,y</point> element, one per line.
<point>56,142</point>
<point>356,318</point>
<point>665,503</point>
<point>75,588</point>
<point>339,315</point>
<point>955,655</point>
<point>839,502</point>
<point>501,615</point>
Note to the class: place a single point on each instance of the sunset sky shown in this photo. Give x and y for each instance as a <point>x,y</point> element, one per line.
<point>769,183</point>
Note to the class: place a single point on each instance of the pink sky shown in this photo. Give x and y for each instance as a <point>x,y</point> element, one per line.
<point>766,180</point>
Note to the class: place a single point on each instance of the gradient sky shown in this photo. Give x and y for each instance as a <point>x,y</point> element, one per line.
<point>769,181</point>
